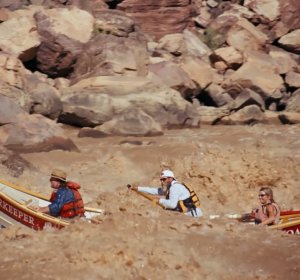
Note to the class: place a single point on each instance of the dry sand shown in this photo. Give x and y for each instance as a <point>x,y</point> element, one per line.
<point>137,240</point>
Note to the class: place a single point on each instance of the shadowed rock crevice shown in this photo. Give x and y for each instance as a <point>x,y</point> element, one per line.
<point>205,99</point>
<point>75,120</point>
<point>112,4</point>
<point>31,65</point>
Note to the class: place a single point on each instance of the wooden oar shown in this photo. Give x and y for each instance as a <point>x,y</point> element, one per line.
<point>96,210</point>
<point>240,217</point>
<point>246,217</point>
<point>289,217</point>
<point>148,196</point>
<point>286,225</point>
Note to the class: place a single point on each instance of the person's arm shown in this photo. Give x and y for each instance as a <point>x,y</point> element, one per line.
<point>148,190</point>
<point>44,209</point>
<point>56,206</point>
<point>271,215</point>
<point>172,202</point>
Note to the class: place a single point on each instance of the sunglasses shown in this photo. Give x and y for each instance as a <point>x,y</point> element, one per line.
<point>163,179</point>
<point>261,195</point>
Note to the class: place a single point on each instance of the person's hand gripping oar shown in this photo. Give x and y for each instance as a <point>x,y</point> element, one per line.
<point>134,188</point>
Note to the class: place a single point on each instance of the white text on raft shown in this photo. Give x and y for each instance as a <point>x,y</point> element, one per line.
<point>16,212</point>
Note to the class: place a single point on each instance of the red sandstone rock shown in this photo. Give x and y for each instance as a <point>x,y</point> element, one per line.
<point>159,17</point>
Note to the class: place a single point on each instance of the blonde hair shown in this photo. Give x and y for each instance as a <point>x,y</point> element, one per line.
<point>268,191</point>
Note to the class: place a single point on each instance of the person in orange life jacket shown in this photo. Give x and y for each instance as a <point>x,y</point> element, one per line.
<point>65,199</point>
<point>178,196</point>
<point>268,212</point>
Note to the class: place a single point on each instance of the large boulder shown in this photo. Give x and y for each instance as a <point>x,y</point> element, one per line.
<point>245,36</point>
<point>12,4</point>
<point>174,77</point>
<point>283,59</point>
<point>107,55</point>
<point>289,17</point>
<point>45,99</point>
<point>62,38</point>
<point>167,107</point>
<point>262,60</point>
<point>94,7</point>
<point>9,110</point>
<point>293,79</point>
<point>247,97</point>
<point>229,55</point>
<point>71,22</point>
<point>19,37</point>
<point>57,56</point>
<point>13,80</point>
<point>291,41</point>
<point>34,133</point>
<point>289,11</point>
<point>199,71</point>
<point>194,45</point>
<point>276,17</point>
<point>86,108</point>
<point>268,9</point>
<point>100,98</point>
<point>114,22</point>
<point>255,76</point>
<point>157,17</point>
<point>293,104</point>
<point>131,122</point>
<point>235,9</point>
<point>232,26</point>
<point>173,43</point>
<point>211,115</point>
<point>186,43</point>
<point>247,115</point>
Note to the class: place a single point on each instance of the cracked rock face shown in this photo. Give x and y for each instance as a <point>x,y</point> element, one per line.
<point>158,17</point>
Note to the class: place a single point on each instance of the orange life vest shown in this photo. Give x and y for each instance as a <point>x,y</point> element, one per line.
<point>73,208</point>
<point>261,213</point>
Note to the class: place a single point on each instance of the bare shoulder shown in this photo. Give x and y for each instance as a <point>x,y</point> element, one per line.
<point>270,207</point>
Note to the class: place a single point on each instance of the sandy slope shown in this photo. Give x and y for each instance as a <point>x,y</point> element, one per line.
<point>137,240</point>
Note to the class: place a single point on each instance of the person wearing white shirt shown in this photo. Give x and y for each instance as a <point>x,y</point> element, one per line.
<point>178,196</point>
